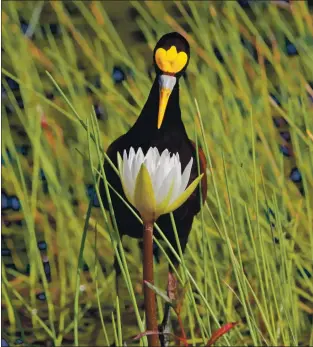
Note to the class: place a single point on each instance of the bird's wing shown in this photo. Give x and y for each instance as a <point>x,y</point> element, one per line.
<point>203,165</point>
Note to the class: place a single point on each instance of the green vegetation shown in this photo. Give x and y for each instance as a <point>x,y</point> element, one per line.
<point>249,256</point>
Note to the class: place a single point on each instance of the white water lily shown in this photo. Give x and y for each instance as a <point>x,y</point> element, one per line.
<point>154,184</point>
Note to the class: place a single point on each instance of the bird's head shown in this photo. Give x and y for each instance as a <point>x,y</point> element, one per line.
<point>171,56</point>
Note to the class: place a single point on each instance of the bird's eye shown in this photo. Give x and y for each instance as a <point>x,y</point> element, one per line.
<point>170,61</point>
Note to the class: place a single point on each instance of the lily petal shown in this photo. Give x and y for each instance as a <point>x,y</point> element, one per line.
<point>186,176</point>
<point>164,204</point>
<point>154,183</point>
<point>119,163</point>
<point>131,157</point>
<point>164,188</point>
<point>125,178</point>
<point>138,160</point>
<point>177,183</point>
<point>144,199</point>
<point>158,177</point>
<point>184,196</point>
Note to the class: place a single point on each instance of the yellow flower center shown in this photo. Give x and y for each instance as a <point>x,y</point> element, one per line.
<point>170,61</point>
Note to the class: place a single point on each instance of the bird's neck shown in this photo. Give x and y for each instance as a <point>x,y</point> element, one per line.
<point>148,118</point>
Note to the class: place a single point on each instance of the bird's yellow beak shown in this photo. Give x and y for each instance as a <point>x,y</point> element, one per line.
<point>164,96</point>
<point>166,86</point>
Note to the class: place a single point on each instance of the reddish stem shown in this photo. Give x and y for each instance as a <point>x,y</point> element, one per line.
<point>149,295</point>
<point>184,337</point>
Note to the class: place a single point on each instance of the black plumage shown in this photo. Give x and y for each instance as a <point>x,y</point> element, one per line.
<point>172,136</point>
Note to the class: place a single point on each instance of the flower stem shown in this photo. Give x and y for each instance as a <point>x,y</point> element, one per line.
<point>149,295</point>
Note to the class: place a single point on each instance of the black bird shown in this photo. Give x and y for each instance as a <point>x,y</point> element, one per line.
<point>160,125</point>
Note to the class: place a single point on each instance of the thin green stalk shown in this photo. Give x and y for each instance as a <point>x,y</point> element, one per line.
<point>119,323</point>
<point>106,338</point>
<point>257,211</point>
<point>204,238</point>
<point>115,333</point>
<point>211,168</point>
<point>79,268</point>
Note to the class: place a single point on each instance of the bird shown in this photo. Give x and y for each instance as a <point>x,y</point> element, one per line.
<point>160,125</point>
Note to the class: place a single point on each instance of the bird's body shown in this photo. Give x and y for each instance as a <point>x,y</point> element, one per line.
<point>160,125</point>
<point>172,136</point>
